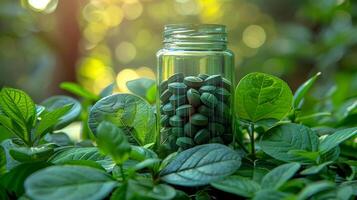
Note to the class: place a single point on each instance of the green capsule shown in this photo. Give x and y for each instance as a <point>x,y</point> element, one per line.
<point>177,100</point>
<point>172,141</point>
<point>185,110</point>
<point>216,129</point>
<point>163,86</point>
<point>165,96</point>
<point>207,88</point>
<point>222,109</point>
<point>202,136</point>
<point>164,121</point>
<point>193,81</point>
<point>176,121</point>
<point>216,140</point>
<point>185,142</point>
<point>178,131</point>
<point>168,109</point>
<point>204,110</point>
<point>226,84</point>
<point>178,77</point>
<point>199,119</point>
<point>209,99</point>
<point>177,88</point>
<point>193,97</point>
<point>190,129</point>
<point>213,80</point>
<point>203,76</point>
<point>222,94</point>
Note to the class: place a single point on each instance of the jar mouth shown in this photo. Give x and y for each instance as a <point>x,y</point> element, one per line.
<point>195,33</point>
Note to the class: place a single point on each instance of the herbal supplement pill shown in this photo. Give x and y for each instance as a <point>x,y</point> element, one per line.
<point>199,119</point>
<point>222,94</point>
<point>178,131</point>
<point>203,76</point>
<point>221,109</point>
<point>178,77</point>
<point>185,110</point>
<point>193,81</point>
<point>226,84</point>
<point>172,141</point>
<point>190,129</point>
<point>176,121</point>
<point>164,121</point>
<point>216,140</point>
<point>216,129</point>
<point>209,99</point>
<point>168,109</point>
<point>184,142</point>
<point>163,86</point>
<point>213,80</point>
<point>165,96</point>
<point>204,110</point>
<point>193,97</point>
<point>177,100</point>
<point>177,88</point>
<point>202,136</point>
<point>207,88</point>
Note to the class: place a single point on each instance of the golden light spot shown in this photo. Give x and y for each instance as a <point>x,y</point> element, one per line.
<point>115,15</point>
<point>125,52</point>
<point>47,6</point>
<point>254,36</point>
<point>145,72</point>
<point>124,76</point>
<point>132,10</point>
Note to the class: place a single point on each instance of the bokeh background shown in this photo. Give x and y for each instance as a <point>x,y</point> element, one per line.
<point>97,42</point>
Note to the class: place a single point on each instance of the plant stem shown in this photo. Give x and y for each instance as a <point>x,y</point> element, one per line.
<point>122,172</point>
<point>251,135</point>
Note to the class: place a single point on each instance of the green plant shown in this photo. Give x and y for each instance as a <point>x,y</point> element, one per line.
<point>292,155</point>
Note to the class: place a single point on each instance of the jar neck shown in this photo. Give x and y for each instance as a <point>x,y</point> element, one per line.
<point>195,37</point>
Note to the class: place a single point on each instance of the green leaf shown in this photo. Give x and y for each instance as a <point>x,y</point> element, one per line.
<point>31,154</point>
<point>79,91</point>
<point>58,138</point>
<point>14,179</point>
<point>237,185</point>
<point>128,111</point>
<point>56,102</point>
<point>2,161</point>
<point>278,141</point>
<point>112,141</point>
<point>142,87</point>
<point>17,105</point>
<point>269,194</point>
<point>70,183</point>
<point>303,89</point>
<point>314,188</point>
<point>201,165</point>
<point>336,138</point>
<point>50,119</point>
<point>262,96</point>
<point>83,153</point>
<point>315,169</point>
<point>107,90</point>
<point>140,153</point>
<point>279,175</point>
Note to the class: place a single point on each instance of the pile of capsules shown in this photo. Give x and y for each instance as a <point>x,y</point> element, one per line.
<point>195,110</point>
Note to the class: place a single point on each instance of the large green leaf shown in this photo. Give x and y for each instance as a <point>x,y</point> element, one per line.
<point>314,188</point>
<point>201,165</point>
<point>237,185</point>
<point>128,111</point>
<point>70,183</point>
<point>83,153</point>
<point>31,154</point>
<point>303,89</point>
<point>279,175</point>
<point>17,105</point>
<point>281,141</point>
<point>269,194</point>
<point>142,87</point>
<point>79,91</point>
<point>55,102</point>
<point>112,141</point>
<point>336,138</point>
<point>262,96</point>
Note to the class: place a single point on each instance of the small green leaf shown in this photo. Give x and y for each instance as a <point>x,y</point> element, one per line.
<point>140,153</point>
<point>50,119</point>
<point>262,96</point>
<point>279,175</point>
<point>303,89</point>
<point>70,183</point>
<point>56,102</point>
<point>83,153</point>
<point>112,141</point>
<point>315,169</point>
<point>278,141</point>
<point>201,165</point>
<point>269,194</point>
<point>79,91</point>
<point>237,185</point>
<point>336,138</point>
<point>126,111</point>
<point>314,188</point>
<point>31,154</point>
<point>143,87</point>
<point>107,90</point>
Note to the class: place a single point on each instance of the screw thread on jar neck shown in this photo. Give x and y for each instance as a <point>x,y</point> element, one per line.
<point>195,37</point>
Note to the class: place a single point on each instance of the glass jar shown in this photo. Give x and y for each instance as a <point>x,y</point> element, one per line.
<point>195,78</point>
